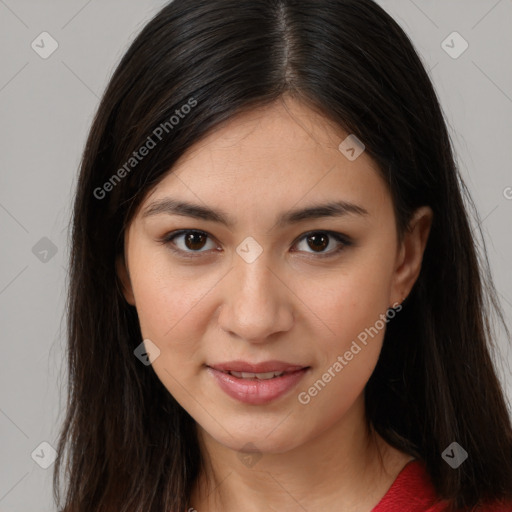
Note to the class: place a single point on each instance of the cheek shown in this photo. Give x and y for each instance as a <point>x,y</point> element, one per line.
<point>353,306</point>
<point>350,301</point>
<point>171,311</point>
<point>169,301</point>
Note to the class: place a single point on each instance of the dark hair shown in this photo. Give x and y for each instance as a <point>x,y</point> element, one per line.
<point>130,445</point>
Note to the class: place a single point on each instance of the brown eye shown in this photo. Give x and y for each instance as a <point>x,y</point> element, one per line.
<point>188,242</point>
<point>195,240</point>
<point>318,241</point>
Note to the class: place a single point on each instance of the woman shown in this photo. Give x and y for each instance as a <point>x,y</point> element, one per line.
<point>263,186</point>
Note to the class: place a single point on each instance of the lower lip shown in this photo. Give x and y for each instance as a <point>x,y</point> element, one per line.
<point>257,392</point>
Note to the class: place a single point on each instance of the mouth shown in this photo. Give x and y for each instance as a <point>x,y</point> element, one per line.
<point>257,376</point>
<point>239,367</point>
<point>258,388</point>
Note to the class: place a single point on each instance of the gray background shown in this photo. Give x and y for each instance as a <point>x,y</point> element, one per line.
<point>46,109</point>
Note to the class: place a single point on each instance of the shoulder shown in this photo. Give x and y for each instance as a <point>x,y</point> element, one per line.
<point>413,491</point>
<point>499,506</point>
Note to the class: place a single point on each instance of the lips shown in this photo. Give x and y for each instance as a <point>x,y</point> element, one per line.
<point>257,383</point>
<point>264,367</point>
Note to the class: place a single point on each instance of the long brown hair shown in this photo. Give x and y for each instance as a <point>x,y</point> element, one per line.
<point>126,444</point>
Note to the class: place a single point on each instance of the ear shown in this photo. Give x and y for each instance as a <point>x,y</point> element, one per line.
<point>410,254</point>
<point>124,279</point>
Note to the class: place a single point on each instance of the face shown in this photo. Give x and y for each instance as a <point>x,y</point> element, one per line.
<point>269,283</point>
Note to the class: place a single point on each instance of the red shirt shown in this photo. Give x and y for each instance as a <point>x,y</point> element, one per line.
<point>413,491</point>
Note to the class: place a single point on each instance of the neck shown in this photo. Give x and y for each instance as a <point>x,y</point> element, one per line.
<point>344,466</point>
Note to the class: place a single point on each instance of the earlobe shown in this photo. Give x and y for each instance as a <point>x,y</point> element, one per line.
<point>124,280</point>
<point>411,252</point>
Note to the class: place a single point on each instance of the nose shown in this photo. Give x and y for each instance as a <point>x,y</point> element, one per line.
<point>257,301</point>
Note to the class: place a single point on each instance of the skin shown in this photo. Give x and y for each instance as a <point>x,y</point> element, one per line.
<point>289,304</point>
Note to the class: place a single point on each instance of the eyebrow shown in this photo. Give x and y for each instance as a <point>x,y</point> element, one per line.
<point>172,206</point>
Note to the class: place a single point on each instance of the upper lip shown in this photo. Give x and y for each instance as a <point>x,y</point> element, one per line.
<point>266,366</point>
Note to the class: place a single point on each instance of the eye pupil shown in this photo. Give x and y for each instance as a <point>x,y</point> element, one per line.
<point>317,238</point>
<point>190,242</point>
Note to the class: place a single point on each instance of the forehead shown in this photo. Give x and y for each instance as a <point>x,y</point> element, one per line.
<point>271,158</point>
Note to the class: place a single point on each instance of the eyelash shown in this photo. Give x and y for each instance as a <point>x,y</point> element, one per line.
<point>339,237</point>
